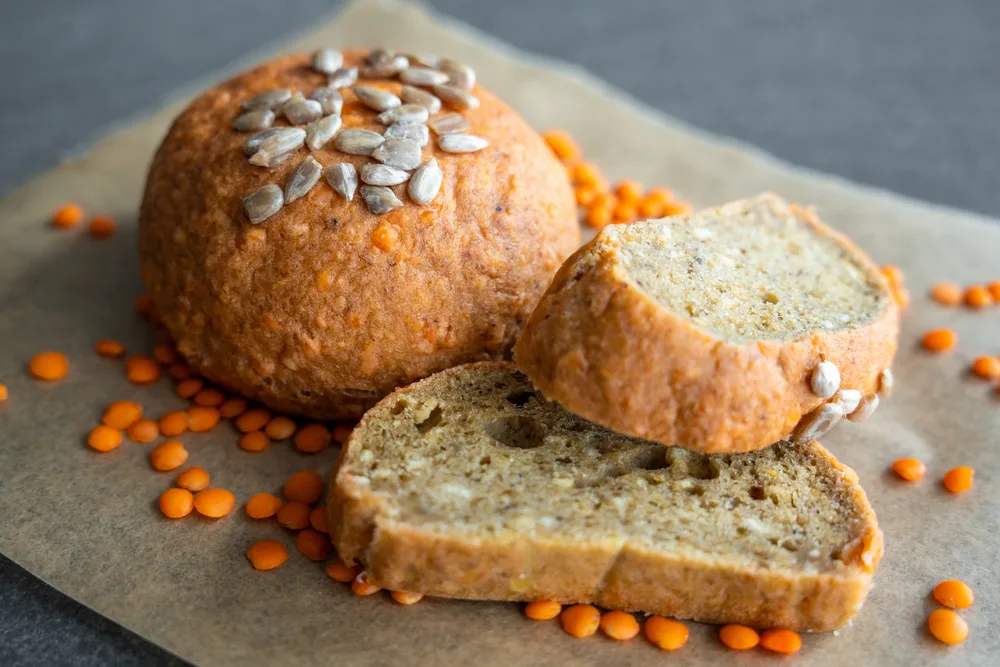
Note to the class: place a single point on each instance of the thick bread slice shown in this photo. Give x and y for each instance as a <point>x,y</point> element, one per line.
<point>704,330</point>
<point>470,484</point>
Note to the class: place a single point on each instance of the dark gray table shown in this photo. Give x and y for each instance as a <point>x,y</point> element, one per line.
<point>904,95</point>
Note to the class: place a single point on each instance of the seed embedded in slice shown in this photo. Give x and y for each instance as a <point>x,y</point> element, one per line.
<point>376,98</point>
<point>422,76</point>
<point>263,203</point>
<point>425,182</point>
<point>251,121</point>
<point>461,143</point>
<point>459,74</point>
<point>448,123</point>
<point>343,77</point>
<point>275,149</point>
<point>302,180</point>
<point>379,199</point>
<point>300,112</point>
<point>405,113</point>
<point>456,97</point>
<point>386,70</point>
<point>866,408</point>
<point>329,98</point>
<point>343,178</point>
<point>416,133</point>
<point>380,174</point>
<point>269,99</point>
<point>327,61</point>
<point>358,142</point>
<point>319,132</point>
<point>398,153</point>
<point>817,423</point>
<point>251,145</point>
<point>412,95</point>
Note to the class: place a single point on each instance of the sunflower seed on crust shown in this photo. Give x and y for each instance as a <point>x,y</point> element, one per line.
<point>358,142</point>
<point>448,123</point>
<point>398,153</point>
<point>825,379</point>
<point>413,95</point>
<point>459,74</point>
<point>379,55</point>
<point>848,400</point>
<point>376,98</point>
<point>425,183</point>
<point>343,178</point>
<point>327,61</point>
<point>269,99</point>
<point>319,132</point>
<point>385,70</point>
<point>380,174</point>
<point>886,382</point>
<point>263,203</point>
<point>461,143</point>
<point>302,179</point>
<point>329,98</point>
<point>456,97</point>
<point>277,148</point>
<point>817,423</point>
<point>866,408</point>
<point>408,114</point>
<point>301,112</point>
<point>423,59</point>
<point>251,145</point>
<point>252,121</point>
<point>422,76</point>
<point>417,133</point>
<point>343,77</point>
<point>379,199</point>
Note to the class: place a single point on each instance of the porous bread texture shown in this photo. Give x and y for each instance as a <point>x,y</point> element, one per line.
<point>703,330</point>
<point>471,484</point>
<point>324,308</point>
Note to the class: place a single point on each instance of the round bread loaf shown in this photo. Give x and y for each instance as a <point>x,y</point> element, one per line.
<point>325,306</point>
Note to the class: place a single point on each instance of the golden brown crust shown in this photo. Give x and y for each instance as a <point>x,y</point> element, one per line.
<point>305,312</point>
<point>601,347</point>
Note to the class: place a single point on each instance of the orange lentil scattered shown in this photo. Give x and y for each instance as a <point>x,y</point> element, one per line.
<point>909,469</point>
<point>624,212</point>
<point>189,387</point>
<point>954,593</point>
<point>958,479</point>
<point>165,354</point>
<point>104,438</point>
<point>280,428</point>
<point>947,294</point>
<point>629,191</point>
<point>542,610</point>
<point>947,626</point>
<point>142,370</point>
<point>254,441</point>
<point>341,432</point>
<point>940,340</point>
<point>49,366</point>
<point>4,394</point>
<point>662,195</point>
<point>169,455</point>
<point>305,486</point>
<point>739,637</point>
<point>977,296</point>
<point>294,515</point>
<point>562,144</point>
<point>580,620</point>
<point>901,296</point>
<point>122,414</point>
<point>677,208</point>
<point>585,174</point>
<point>263,506</point>
<point>67,215</point>
<point>233,407</point>
<point>361,586</point>
<point>214,503</point>
<point>267,554</point>
<point>651,207</point>
<point>619,625</point>
<point>102,227</point>
<point>599,216</point>
<point>202,418</point>
<point>987,368</point>
<point>176,503</point>
<point>313,544</point>
<point>253,420</point>
<point>318,519</point>
<point>143,431</point>
<point>337,570</point>
<point>312,438</point>
<point>585,196</point>
<point>109,348</point>
<point>994,289</point>
<point>193,479</point>
<point>180,371</point>
<point>893,275</point>
<point>173,423</point>
<point>406,598</point>
<point>209,398</point>
<point>668,634</point>
<point>781,641</point>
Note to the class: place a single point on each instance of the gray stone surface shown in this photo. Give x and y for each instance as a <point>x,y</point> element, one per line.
<point>903,95</point>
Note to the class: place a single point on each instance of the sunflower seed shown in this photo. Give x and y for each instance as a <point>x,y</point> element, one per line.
<point>461,143</point>
<point>448,123</point>
<point>847,399</point>
<point>376,98</point>
<point>425,182</point>
<point>459,74</point>
<point>302,180</point>
<point>423,59</point>
<point>343,77</point>
<point>263,203</point>
<point>817,423</point>
<point>379,56</point>
<point>329,98</point>
<point>275,149</point>
<point>358,142</point>
<point>886,382</point>
<point>398,153</point>
<point>380,199</point>
<point>251,145</point>
<point>409,114</point>
<point>300,112</point>
<point>422,76</point>
<point>865,409</point>
<point>386,70</point>
<point>269,99</point>
<point>456,97</point>
<point>258,119</point>
<point>319,132</point>
<point>416,133</point>
<point>825,379</point>
<point>413,95</point>
<point>327,61</point>
<point>343,178</point>
<point>380,174</point>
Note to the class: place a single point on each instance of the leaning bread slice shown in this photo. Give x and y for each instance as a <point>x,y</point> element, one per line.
<point>708,330</point>
<point>470,484</point>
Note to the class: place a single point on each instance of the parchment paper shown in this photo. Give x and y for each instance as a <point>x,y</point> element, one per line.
<point>88,523</point>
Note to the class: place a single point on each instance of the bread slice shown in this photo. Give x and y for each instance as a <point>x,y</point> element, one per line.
<point>470,484</point>
<point>706,330</point>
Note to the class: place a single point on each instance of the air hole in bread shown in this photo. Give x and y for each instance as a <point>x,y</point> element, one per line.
<point>430,421</point>
<point>520,432</point>
<point>399,406</point>
<point>520,398</point>
<point>703,467</point>
<point>757,492</point>
<point>485,461</point>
